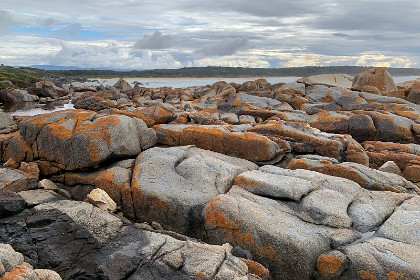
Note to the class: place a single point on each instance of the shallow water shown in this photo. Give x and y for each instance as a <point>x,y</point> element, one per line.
<point>34,108</point>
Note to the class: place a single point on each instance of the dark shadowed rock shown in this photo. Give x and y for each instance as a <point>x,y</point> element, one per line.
<point>10,203</point>
<point>80,241</point>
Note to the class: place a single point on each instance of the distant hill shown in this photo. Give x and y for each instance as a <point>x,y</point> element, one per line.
<point>24,76</point>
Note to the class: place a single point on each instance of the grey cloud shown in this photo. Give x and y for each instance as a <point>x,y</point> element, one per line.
<point>224,47</point>
<point>155,41</point>
<point>264,8</point>
<point>342,35</point>
<point>48,22</point>
<point>5,21</point>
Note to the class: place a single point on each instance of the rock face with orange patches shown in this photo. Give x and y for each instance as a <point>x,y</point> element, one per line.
<point>366,177</point>
<point>16,148</point>
<point>249,146</point>
<point>414,95</point>
<point>331,265</point>
<point>172,185</point>
<point>115,180</point>
<point>150,115</point>
<point>406,156</point>
<point>325,213</point>
<point>305,139</point>
<point>270,231</point>
<point>77,139</point>
<point>377,77</point>
<point>13,267</point>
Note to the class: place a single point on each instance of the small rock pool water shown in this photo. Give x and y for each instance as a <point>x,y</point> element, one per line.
<point>35,108</point>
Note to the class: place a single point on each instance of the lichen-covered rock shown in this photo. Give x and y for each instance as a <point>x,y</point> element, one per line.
<point>378,78</point>
<point>77,139</point>
<point>304,139</point>
<point>14,147</point>
<point>172,185</point>
<point>122,85</point>
<point>414,95</point>
<point>406,156</point>
<point>366,177</point>
<point>307,216</point>
<point>9,258</point>
<point>249,146</point>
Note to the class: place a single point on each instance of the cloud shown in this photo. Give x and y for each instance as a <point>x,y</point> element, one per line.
<point>224,47</point>
<point>47,22</point>
<point>6,21</point>
<point>111,55</point>
<point>155,41</point>
<point>218,32</point>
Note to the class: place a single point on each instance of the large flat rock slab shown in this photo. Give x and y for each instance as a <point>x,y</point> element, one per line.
<point>172,185</point>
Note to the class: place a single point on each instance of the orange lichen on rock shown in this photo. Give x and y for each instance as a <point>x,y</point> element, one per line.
<point>327,264</point>
<point>256,268</point>
<point>328,168</point>
<point>367,275</point>
<point>19,272</point>
<point>203,137</point>
<point>216,218</point>
<point>167,135</point>
<point>395,275</point>
<point>242,181</point>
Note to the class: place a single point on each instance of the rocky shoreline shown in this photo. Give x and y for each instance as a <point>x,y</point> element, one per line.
<point>315,179</point>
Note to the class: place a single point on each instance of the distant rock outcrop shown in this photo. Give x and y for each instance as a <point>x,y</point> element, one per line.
<point>16,95</point>
<point>123,85</point>
<point>376,80</point>
<point>47,89</point>
<point>330,80</point>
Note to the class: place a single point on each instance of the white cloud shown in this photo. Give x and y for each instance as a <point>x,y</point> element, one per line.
<point>110,55</point>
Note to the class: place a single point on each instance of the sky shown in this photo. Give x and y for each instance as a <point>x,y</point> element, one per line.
<point>151,34</point>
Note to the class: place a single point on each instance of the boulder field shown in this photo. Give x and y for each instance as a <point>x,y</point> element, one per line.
<point>316,179</point>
